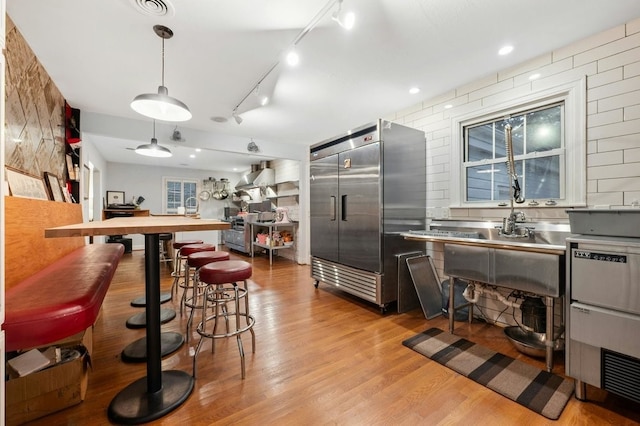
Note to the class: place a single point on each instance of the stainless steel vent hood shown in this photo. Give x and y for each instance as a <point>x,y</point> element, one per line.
<point>260,176</point>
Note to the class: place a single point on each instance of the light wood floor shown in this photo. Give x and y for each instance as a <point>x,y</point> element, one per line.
<point>323,358</point>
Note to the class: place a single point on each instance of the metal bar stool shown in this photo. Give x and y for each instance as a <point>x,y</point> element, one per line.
<point>178,263</point>
<point>185,251</point>
<point>221,279</point>
<point>196,261</point>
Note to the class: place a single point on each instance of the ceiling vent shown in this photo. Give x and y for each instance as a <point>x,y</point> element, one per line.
<point>155,8</point>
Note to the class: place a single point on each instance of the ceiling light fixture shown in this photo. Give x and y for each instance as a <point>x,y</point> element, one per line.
<point>505,50</point>
<point>161,106</point>
<point>153,149</point>
<point>347,20</point>
<point>414,90</point>
<point>293,58</point>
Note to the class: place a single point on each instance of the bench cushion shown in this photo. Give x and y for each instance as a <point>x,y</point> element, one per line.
<point>62,299</point>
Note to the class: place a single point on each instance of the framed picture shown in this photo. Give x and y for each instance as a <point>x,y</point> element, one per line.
<point>25,185</point>
<point>53,184</point>
<point>115,197</point>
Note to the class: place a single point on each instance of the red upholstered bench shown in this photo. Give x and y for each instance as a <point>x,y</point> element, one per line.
<point>62,299</point>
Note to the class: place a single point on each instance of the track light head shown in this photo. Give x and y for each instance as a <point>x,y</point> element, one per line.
<point>345,20</point>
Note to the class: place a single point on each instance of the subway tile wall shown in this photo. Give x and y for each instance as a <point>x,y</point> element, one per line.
<point>611,62</point>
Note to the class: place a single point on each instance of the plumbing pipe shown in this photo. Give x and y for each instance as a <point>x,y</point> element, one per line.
<point>478,289</point>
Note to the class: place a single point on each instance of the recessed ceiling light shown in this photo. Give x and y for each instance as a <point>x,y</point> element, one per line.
<point>198,150</point>
<point>447,106</point>
<point>293,58</point>
<point>219,119</point>
<point>505,50</point>
<point>192,156</point>
<point>534,76</point>
<point>414,90</point>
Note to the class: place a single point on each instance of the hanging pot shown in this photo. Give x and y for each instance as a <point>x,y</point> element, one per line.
<point>204,195</point>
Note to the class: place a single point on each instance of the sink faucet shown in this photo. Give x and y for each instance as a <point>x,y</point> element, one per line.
<point>510,224</point>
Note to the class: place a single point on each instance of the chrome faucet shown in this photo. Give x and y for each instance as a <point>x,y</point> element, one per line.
<point>510,226</point>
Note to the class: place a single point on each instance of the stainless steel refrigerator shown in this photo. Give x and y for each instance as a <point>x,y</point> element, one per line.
<point>366,187</point>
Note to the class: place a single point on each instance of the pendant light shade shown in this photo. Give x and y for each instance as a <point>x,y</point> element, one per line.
<point>161,106</point>
<point>153,149</point>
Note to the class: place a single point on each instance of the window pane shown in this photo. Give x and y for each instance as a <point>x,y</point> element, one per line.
<point>543,178</point>
<point>190,200</point>
<point>479,183</point>
<point>502,186</point>
<point>517,136</point>
<point>480,142</point>
<point>544,130</point>
<point>174,193</point>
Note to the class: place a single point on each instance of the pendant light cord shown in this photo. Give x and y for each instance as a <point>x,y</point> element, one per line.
<point>162,68</point>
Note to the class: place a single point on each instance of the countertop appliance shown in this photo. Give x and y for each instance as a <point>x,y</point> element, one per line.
<point>366,187</point>
<point>603,302</point>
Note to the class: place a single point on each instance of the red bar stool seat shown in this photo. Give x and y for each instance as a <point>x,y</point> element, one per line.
<point>222,295</point>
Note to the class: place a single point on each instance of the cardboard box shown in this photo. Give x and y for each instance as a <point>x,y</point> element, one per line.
<point>52,389</point>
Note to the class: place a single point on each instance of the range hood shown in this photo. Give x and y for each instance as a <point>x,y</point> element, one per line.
<point>259,177</point>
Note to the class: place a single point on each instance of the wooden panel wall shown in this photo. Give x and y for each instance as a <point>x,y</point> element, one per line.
<point>27,251</point>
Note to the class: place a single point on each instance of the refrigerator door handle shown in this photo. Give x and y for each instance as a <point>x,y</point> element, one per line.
<point>332,208</point>
<point>344,208</point>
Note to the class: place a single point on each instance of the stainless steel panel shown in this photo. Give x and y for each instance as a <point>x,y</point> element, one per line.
<point>606,277</point>
<point>407,294</point>
<point>605,328</point>
<point>470,263</point>
<point>582,362</point>
<point>362,135</point>
<point>538,273</point>
<point>404,174</point>
<point>360,208</point>
<point>363,284</point>
<point>323,190</point>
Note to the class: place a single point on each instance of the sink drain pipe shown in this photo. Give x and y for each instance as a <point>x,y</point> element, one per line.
<point>474,290</point>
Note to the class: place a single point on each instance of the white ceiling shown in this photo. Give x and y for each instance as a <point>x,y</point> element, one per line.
<point>101,54</point>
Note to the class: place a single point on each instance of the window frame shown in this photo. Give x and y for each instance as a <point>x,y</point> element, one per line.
<point>573,95</point>
<point>182,180</point>
<point>524,158</point>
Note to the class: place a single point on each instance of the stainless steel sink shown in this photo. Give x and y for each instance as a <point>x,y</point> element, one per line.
<point>476,250</point>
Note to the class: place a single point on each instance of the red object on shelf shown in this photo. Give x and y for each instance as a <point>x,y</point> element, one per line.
<point>72,125</point>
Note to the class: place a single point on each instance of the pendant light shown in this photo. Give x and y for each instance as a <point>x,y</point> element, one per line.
<point>161,106</point>
<point>153,149</point>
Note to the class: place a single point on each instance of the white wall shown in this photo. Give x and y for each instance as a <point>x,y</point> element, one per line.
<point>611,63</point>
<point>147,182</point>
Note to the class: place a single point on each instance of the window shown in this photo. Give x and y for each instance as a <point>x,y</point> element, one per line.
<point>538,150</point>
<point>178,192</point>
<point>549,147</point>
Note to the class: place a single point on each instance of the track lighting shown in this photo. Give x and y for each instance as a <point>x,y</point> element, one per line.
<point>153,149</point>
<point>345,20</point>
<point>236,116</point>
<point>161,106</point>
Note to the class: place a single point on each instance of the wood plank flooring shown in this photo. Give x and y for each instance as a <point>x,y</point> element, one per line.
<point>322,358</point>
